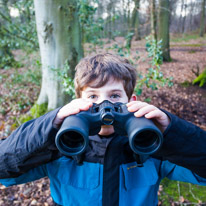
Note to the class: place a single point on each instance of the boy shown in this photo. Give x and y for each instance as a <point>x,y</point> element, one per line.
<point>109,174</point>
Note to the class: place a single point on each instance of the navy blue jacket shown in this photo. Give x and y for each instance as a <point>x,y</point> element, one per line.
<point>109,174</point>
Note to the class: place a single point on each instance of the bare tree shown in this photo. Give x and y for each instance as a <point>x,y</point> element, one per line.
<point>134,26</point>
<point>184,16</point>
<point>60,42</point>
<point>181,16</point>
<point>163,28</point>
<point>153,18</point>
<point>202,21</point>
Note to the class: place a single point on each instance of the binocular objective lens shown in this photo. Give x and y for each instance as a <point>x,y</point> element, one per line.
<point>72,140</point>
<point>146,139</point>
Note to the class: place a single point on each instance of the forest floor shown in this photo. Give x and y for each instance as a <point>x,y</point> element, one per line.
<point>184,99</point>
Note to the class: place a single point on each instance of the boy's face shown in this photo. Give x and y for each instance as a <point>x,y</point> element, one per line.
<point>112,91</point>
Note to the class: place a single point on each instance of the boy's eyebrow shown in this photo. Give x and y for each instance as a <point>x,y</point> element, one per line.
<point>90,90</point>
<point>113,90</point>
<point>116,90</point>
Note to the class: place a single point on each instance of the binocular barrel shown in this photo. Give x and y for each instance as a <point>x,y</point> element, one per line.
<point>73,136</point>
<point>144,137</point>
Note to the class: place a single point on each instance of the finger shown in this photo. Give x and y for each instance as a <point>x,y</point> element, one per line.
<point>134,102</point>
<point>133,107</point>
<point>157,114</point>
<point>85,106</point>
<point>73,108</point>
<point>144,110</point>
<point>82,104</point>
<point>67,111</point>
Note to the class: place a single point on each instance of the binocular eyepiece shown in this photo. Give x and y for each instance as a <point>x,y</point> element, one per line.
<point>73,137</point>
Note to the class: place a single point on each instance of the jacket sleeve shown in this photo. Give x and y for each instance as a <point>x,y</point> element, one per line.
<point>185,145</point>
<point>178,173</point>
<point>29,146</point>
<point>31,175</point>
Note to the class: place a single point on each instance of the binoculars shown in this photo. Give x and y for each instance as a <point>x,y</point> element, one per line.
<point>73,137</point>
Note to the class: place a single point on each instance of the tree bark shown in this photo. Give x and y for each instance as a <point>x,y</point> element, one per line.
<point>134,27</point>
<point>153,19</point>
<point>202,21</point>
<point>110,9</point>
<point>60,43</point>
<point>163,28</point>
<point>184,17</point>
<point>192,6</point>
<point>181,16</point>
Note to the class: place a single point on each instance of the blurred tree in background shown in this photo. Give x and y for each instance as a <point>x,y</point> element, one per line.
<point>17,29</point>
<point>163,28</point>
<point>202,21</point>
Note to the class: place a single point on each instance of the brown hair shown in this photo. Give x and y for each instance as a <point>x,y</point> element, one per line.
<point>95,71</point>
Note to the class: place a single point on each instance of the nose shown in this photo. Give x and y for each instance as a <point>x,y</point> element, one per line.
<point>102,98</point>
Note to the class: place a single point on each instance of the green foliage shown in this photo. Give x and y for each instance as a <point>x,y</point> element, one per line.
<point>22,28</point>
<point>6,57</point>
<point>16,32</point>
<point>66,80</point>
<point>186,83</point>
<point>38,110</point>
<point>154,51</point>
<point>201,79</point>
<point>154,77</point>
<point>35,112</point>
<point>121,50</point>
<point>128,39</point>
<point>175,191</point>
<point>91,27</point>
<point>184,37</point>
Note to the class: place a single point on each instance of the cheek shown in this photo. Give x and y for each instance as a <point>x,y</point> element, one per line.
<point>92,100</point>
<point>83,95</point>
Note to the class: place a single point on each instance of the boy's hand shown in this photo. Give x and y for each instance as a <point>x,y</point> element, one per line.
<point>74,107</point>
<point>149,111</point>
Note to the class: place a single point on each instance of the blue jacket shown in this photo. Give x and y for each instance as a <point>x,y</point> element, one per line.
<point>109,174</point>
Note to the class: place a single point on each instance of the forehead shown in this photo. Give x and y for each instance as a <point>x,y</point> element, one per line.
<point>111,85</point>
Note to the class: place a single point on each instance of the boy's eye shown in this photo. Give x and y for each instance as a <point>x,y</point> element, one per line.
<point>92,96</point>
<point>115,96</point>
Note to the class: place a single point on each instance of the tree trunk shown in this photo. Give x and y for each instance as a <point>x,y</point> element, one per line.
<point>202,21</point>
<point>128,13</point>
<point>181,17</point>
<point>109,11</point>
<point>134,26</point>
<point>124,17</point>
<point>163,28</point>
<point>184,17</point>
<point>60,43</point>
<point>192,6</point>
<point>153,19</point>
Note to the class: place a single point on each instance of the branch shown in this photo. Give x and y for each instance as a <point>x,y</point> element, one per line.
<point>8,33</point>
<point>10,21</point>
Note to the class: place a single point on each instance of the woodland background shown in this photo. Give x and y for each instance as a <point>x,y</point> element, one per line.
<point>41,41</point>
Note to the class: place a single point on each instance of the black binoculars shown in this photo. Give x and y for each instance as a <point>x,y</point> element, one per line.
<point>73,137</point>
